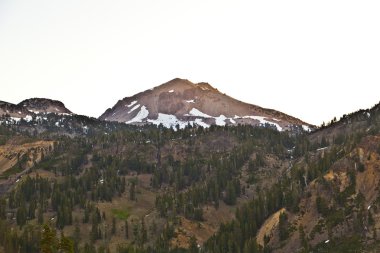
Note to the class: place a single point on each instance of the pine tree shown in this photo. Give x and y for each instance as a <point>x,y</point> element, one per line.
<point>283,226</point>
<point>132,191</point>
<point>40,216</point>
<point>49,243</point>
<point>135,230</point>
<point>144,236</point>
<point>3,205</point>
<point>126,230</point>
<point>113,230</point>
<point>76,237</point>
<point>230,198</point>
<point>21,215</point>
<point>66,244</point>
<point>193,245</point>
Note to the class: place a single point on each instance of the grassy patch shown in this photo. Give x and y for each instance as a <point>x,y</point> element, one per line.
<point>121,214</point>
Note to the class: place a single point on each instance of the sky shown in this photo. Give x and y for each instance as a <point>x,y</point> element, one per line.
<point>311,59</point>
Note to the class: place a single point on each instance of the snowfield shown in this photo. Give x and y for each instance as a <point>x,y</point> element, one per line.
<point>168,121</point>
<point>142,114</point>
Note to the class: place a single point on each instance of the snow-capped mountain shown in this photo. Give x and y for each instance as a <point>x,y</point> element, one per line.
<point>180,102</point>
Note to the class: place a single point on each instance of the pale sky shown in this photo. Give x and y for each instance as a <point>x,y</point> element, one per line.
<point>311,59</point>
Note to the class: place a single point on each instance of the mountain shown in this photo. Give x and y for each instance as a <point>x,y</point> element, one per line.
<point>33,106</point>
<point>44,105</point>
<point>181,102</point>
<point>51,117</point>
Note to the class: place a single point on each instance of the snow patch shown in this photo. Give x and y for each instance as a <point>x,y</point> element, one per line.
<point>263,121</point>
<point>28,118</point>
<point>197,113</point>
<point>16,119</point>
<point>190,101</point>
<point>199,122</point>
<point>131,104</point>
<point>306,128</point>
<point>232,121</point>
<point>134,108</point>
<point>142,114</point>
<point>320,149</point>
<point>171,91</point>
<point>220,121</point>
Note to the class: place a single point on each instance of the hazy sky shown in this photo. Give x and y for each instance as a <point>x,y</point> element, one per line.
<point>311,59</point>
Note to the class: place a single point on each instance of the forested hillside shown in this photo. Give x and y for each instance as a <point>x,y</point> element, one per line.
<point>84,185</point>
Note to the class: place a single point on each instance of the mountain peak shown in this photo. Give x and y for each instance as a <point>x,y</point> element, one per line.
<point>205,86</point>
<point>44,105</point>
<point>33,106</point>
<point>181,102</point>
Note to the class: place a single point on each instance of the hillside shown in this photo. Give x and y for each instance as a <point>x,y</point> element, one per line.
<point>326,202</point>
<point>108,186</point>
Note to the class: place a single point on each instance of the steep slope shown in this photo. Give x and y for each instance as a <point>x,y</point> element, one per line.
<point>339,206</point>
<point>326,201</point>
<point>181,102</point>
